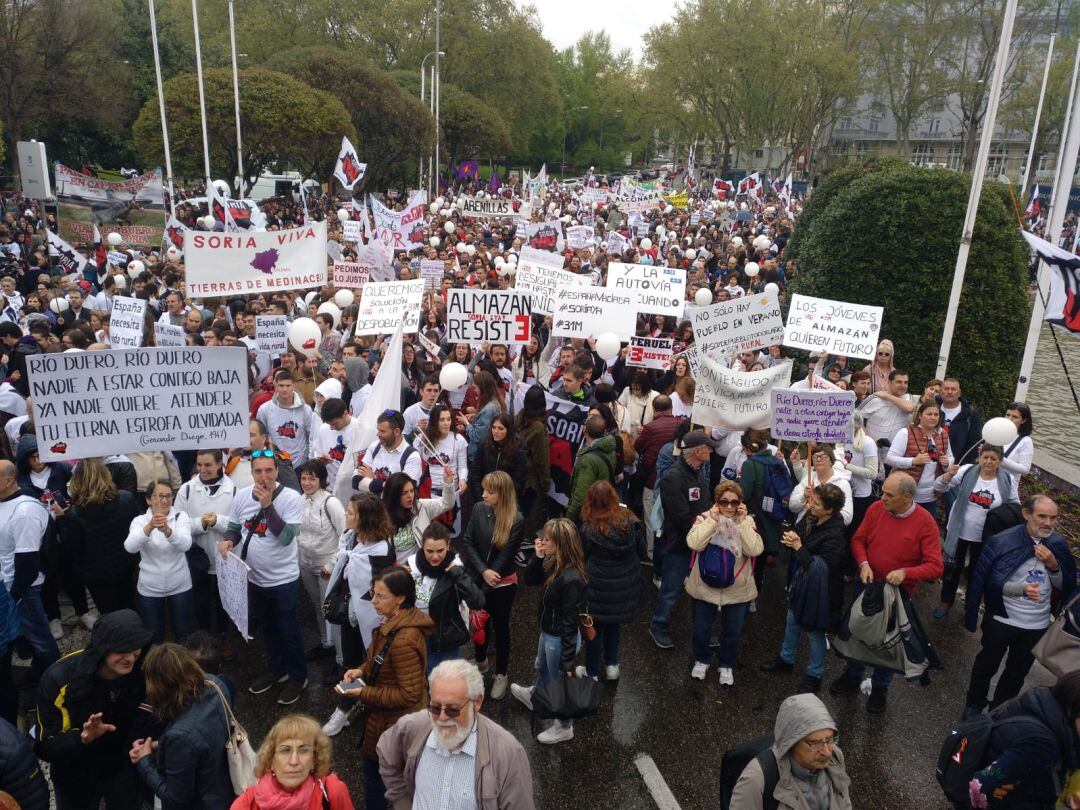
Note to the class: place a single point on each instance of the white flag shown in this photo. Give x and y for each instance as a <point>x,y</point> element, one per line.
<point>349,170</point>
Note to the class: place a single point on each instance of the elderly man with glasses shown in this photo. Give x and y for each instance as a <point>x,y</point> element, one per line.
<point>451,756</point>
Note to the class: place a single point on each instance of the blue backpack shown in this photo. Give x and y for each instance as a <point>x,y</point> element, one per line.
<point>777,488</point>
<point>716,565</point>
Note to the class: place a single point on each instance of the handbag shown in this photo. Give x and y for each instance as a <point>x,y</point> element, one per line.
<point>588,627</point>
<point>358,715</point>
<point>564,698</point>
<point>335,607</point>
<point>238,750</point>
<point>1059,648</point>
<point>478,620</point>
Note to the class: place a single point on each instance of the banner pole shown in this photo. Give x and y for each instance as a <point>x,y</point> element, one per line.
<point>236,100</point>
<point>161,109</point>
<point>1038,115</point>
<point>202,95</point>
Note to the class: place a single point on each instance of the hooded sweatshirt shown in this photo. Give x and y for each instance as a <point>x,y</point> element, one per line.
<point>288,427</point>
<point>330,389</point>
<point>41,485</point>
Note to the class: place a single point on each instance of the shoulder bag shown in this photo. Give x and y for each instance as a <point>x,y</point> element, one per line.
<point>1059,648</point>
<point>238,750</point>
<point>358,716</point>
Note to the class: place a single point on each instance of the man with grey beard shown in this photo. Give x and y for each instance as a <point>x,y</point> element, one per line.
<point>452,744</point>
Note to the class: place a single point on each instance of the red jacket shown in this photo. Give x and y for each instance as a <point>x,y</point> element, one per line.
<point>887,543</point>
<point>335,790</point>
<point>648,443</point>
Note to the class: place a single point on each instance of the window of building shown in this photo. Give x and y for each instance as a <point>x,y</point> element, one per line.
<point>956,157</point>
<point>922,154</point>
<point>759,154</point>
<point>840,148</point>
<point>845,124</point>
<point>861,148</point>
<point>999,158</point>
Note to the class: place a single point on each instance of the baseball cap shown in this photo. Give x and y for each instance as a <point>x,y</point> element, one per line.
<point>696,438</point>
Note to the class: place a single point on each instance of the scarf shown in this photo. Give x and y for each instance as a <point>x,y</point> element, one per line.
<point>429,570</point>
<point>213,484</point>
<point>270,795</point>
<point>812,784</point>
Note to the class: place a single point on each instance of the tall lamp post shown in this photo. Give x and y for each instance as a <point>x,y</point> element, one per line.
<point>562,163</point>
<point>431,105</point>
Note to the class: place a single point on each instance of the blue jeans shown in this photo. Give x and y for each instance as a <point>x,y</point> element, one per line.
<point>436,657</point>
<point>607,640</point>
<point>152,611</point>
<point>35,629</point>
<point>549,662</point>
<point>675,568</point>
<point>276,611</point>
<point>731,623</point>
<point>793,634</point>
<point>374,789</point>
<point>881,677</point>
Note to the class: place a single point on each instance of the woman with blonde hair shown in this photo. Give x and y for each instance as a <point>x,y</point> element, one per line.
<point>93,530</point>
<point>488,546</point>
<point>187,766</point>
<point>294,770</point>
<point>559,566</point>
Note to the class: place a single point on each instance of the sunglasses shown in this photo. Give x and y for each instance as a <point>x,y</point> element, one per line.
<point>268,453</point>
<point>884,354</point>
<point>450,711</point>
<point>729,502</point>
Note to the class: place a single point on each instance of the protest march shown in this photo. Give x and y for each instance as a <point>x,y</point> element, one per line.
<point>442,478</point>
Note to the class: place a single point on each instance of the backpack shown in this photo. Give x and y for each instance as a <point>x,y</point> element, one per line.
<point>716,565</point>
<point>777,488</point>
<point>736,759</point>
<point>423,486</point>
<point>966,751</point>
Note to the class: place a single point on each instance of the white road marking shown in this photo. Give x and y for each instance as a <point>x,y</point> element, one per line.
<point>654,781</point>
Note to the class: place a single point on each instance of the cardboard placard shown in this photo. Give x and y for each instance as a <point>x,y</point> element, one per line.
<point>272,334</point>
<point>834,327</point>
<point>743,325</point>
<point>383,305</point>
<point>126,322</point>
<point>494,316</point>
<point>816,416</point>
<point>657,290</point>
<point>167,335</point>
<point>649,352</point>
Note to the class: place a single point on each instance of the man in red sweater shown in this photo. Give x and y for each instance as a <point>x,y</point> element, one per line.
<point>899,543</point>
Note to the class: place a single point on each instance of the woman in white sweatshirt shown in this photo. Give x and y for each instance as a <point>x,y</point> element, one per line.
<point>824,469</point>
<point>161,537</point>
<point>317,544</point>
<point>207,500</point>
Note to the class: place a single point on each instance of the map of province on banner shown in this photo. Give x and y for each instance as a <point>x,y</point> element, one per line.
<point>133,208</point>
<point>255,261</point>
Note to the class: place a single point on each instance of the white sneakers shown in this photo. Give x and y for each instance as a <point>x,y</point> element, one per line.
<point>699,671</point>
<point>522,693</point>
<point>498,687</point>
<point>338,720</point>
<point>555,733</point>
<point>56,629</point>
<point>726,678</point>
<point>88,619</point>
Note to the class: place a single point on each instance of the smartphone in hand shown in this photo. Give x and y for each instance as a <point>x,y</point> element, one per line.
<point>346,686</point>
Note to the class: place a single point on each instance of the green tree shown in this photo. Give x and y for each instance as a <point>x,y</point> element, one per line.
<point>282,120</point>
<point>859,248</point>
<point>393,128</point>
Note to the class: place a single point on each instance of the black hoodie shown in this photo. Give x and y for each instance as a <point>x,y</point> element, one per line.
<point>70,691</point>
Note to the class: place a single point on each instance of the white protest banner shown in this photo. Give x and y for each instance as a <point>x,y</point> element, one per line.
<point>487,208</point>
<point>544,235</point>
<point>649,352</point>
<point>743,325</point>
<point>820,325</point>
<point>126,322</point>
<point>139,400</point>
<point>638,200</point>
<point>166,334</point>
<point>232,582</point>
<point>580,236</point>
<point>657,290</point>
<point>617,244</point>
<point>384,304</point>
<point>133,207</point>
<point>350,275</point>
<point>272,334</point>
<point>541,275</point>
<point>495,316</point>
<point>117,258</point>
<point>350,230</point>
<point>814,416</point>
<point>591,311</point>
<point>691,357</point>
<point>68,258</point>
<point>736,400</point>
<point>400,230</point>
<point>432,272</point>
<point>593,195</point>
<point>255,261</point>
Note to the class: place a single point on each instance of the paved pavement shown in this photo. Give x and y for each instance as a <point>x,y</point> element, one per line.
<point>659,729</point>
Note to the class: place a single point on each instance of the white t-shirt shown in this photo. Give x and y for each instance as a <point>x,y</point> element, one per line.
<point>413,414</point>
<point>271,562</point>
<point>333,445</point>
<point>23,521</point>
<point>679,409</point>
<point>948,414</point>
<point>984,497</point>
<point>864,456</point>
<point>1017,462</point>
<point>1030,614</point>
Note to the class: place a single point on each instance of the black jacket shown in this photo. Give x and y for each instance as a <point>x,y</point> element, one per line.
<point>70,691</point>
<point>94,536</point>
<point>455,585</point>
<point>190,770</point>
<point>490,459</point>
<point>477,550</point>
<point>561,603</point>
<point>828,541</point>
<point>965,431</point>
<point>20,775</point>
<point>685,494</point>
<point>59,474</point>
<point>613,567</point>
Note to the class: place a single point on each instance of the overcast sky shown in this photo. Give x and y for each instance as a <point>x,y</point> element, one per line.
<point>625,21</point>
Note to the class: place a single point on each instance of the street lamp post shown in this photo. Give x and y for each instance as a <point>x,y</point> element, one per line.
<point>423,81</point>
<point>562,163</point>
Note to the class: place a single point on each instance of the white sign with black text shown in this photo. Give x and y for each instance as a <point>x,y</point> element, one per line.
<point>833,327</point>
<point>492,316</point>
<point>657,290</point>
<point>383,305</point>
<point>585,312</point>
<point>272,334</point>
<point>126,322</point>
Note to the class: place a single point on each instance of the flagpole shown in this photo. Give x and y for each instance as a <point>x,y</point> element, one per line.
<point>236,99</point>
<point>161,109</point>
<point>1059,202</point>
<point>202,94</point>
<point>435,87</point>
<point>989,121</point>
<point>1038,116</point>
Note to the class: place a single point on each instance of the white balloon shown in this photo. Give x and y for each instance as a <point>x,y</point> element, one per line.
<point>690,254</point>
<point>552,207</point>
<point>770,209</point>
<point>499,261</point>
<point>751,269</point>
<point>736,241</point>
<point>453,376</point>
<point>762,243</point>
<point>470,249</point>
<point>434,241</point>
<point>608,345</point>
<point>310,296</point>
<point>304,335</point>
<point>59,305</point>
<point>344,298</point>
<point>511,269</point>
<point>646,243</point>
<point>512,259</point>
<point>999,431</point>
<point>173,253</point>
<point>343,215</point>
<point>330,308</point>
<point>433,207</point>
<point>445,212</point>
<point>703,297</point>
<point>115,239</point>
<point>771,289</point>
<point>441,201</point>
<point>222,187</point>
<point>460,247</point>
<point>744,207</point>
<point>121,282</point>
<point>449,227</point>
<point>660,231</point>
<point>209,222</point>
<point>135,267</point>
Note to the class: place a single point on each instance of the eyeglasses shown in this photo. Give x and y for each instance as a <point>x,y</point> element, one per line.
<point>450,711</point>
<point>817,745</point>
<point>884,354</point>
<point>269,452</point>
<point>732,502</point>
<point>288,750</point>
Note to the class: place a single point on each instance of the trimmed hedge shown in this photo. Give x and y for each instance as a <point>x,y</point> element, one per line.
<point>888,235</point>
